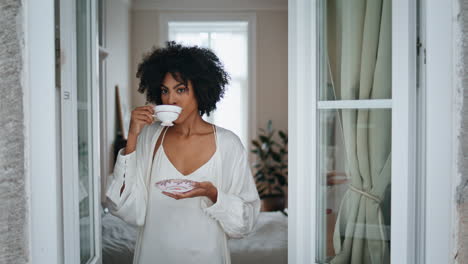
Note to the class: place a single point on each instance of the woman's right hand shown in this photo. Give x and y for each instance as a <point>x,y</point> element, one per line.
<point>141,116</point>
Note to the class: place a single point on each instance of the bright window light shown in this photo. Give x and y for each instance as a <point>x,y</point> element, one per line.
<point>229,41</point>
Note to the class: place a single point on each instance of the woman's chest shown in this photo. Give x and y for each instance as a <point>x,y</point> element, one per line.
<point>187,155</point>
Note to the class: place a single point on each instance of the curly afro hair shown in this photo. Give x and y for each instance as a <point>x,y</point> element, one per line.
<point>199,65</point>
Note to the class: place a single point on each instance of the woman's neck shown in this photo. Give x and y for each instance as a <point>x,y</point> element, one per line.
<point>193,124</point>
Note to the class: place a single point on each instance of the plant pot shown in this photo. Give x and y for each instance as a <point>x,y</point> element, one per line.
<point>273,203</point>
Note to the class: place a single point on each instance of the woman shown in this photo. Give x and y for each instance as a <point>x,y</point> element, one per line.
<point>191,227</point>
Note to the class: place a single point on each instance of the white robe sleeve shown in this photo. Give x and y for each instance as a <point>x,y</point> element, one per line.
<point>238,204</point>
<point>130,205</point>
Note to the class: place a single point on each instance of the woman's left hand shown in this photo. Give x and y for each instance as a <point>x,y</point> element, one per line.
<point>205,188</point>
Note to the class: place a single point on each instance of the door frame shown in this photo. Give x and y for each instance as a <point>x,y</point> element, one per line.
<point>42,141</point>
<point>49,225</point>
<point>68,135</point>
<point>301,117</point>
<point>440,155</point>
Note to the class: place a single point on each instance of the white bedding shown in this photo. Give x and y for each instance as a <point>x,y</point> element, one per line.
<point>267,244</point>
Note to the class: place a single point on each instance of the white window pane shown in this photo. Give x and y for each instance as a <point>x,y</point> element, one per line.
<point>230,112</point>
<point>190,38</point>
<point>231,48</point>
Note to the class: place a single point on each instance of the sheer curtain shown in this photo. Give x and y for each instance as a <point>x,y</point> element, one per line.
<point>361,67</point>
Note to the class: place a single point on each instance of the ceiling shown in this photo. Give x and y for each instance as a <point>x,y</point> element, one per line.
<point>209,4</point>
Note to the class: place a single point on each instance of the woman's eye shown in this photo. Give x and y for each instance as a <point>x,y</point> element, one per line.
<point>181,90</point>
<point>164,91</point>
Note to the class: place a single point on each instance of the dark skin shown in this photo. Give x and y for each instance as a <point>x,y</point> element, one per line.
<point>189,144</point>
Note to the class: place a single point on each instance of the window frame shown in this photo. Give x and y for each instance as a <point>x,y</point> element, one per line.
<point>440,156</point>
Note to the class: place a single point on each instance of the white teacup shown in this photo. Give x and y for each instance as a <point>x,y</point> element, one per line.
<point>167,113</point>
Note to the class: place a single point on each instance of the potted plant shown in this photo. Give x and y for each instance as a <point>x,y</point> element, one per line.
<point>271,167</point>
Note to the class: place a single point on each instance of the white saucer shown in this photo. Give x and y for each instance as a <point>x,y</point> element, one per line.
<point>175,185</point>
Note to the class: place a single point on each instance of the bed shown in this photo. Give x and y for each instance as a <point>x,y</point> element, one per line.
<point>267,244</point>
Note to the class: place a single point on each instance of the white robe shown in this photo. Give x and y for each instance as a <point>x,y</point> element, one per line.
<point>237,206</point>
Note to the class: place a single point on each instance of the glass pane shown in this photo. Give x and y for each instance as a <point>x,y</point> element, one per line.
<point>231,48</point>
<point>84,105</point>
<point>190,38</point>
<point>355,48</point>
<point>354,179</point>
<point>229,111</point>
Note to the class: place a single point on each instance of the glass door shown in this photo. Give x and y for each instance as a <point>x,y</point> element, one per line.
<point>352,103</point>
<point>354,129</point>
<point>80,131</point>
<point>85,130</point>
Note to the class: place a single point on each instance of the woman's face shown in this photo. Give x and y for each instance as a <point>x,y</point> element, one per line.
<point>174,92</point>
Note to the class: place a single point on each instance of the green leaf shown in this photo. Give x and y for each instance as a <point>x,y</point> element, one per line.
<point>258,149</point>
<point>276,157</point>
<point>261,189</point>
<point>282,135</point>
<point>264,139</point>
<point>281,179</point>
<point>259,173</point>
<point>279,189</point>
<point>256,143</point>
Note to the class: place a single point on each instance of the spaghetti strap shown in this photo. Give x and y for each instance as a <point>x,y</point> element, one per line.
<point>216,138</point>
<point>162,140</point>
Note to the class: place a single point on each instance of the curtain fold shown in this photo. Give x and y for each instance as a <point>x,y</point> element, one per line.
<point>361,233</point>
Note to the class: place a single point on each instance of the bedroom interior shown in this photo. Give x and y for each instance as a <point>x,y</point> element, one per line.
<point>251,40</point>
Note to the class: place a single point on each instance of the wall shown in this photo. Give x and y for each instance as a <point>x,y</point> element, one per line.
<point>117,42</point>
<point>272,76</point>
<point>272,68</point>
<point>461,96</point>
<point>145,32</point>
<point>14,211</point>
